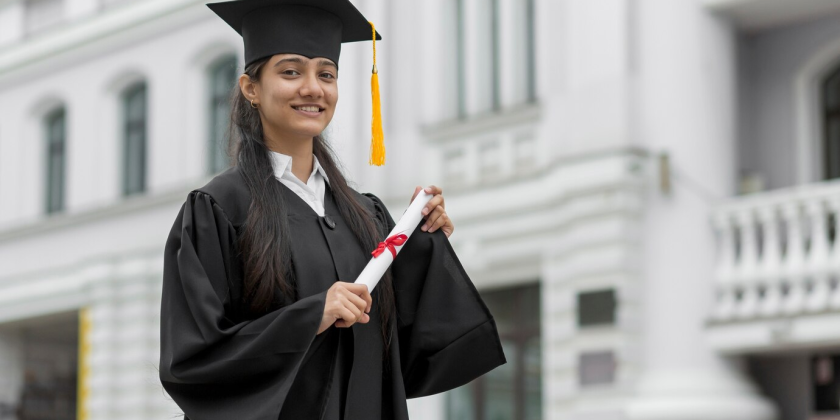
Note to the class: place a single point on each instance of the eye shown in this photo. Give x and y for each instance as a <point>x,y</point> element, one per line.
<point>291,72</point>
<point>328,75</point>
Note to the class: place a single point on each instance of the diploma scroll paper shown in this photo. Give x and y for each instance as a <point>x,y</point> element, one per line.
<point>377,266</point>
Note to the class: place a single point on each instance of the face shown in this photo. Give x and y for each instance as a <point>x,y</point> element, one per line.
<point>295,95</point>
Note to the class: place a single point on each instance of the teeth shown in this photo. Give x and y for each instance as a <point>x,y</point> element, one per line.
<point>308,108</point>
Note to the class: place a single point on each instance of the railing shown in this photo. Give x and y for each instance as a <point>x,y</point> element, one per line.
<point>777,254</point>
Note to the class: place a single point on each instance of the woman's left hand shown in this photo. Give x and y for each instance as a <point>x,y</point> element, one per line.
<point>434,212</point>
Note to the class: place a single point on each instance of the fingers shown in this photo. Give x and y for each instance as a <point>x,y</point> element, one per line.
<point>347,317</point>
<point>361,291</point>
<point>432,204</point>
<point>349,304</point>
<point>356,301</point>
<point>433,218</point>
<point>437,220</point>
<point>431,189</point>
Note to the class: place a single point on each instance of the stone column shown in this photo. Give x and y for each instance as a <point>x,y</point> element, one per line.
<point>686,104</point>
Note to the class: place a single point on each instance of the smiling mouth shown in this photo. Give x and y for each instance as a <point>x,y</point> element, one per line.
<point>308,108</point>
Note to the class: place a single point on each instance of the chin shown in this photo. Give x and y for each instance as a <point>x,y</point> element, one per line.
<point>310,131</point>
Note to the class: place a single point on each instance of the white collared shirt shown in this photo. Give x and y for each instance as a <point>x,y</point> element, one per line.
<point>312,192</point>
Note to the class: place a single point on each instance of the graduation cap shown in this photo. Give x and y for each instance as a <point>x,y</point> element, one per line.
<point>312,28</point>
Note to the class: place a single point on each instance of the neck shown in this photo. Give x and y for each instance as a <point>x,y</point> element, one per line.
<point>299,148</point>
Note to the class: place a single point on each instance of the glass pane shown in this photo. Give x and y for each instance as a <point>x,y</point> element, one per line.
<point>832,91</point>
<point>55,134</point>
<point>596,308</point>
<point>597,368</point>
<point>136,105</point>
<point>502,304</point>
<point>832,147</point>
<point>499,392</point>
<point>135,140</point>
<point>222,81</point>
<point>825,383</point>
<point>135,161</point>
<point>55,183</point>
<point>531,307</point>
<point>533,379</point>
<point>41,14</point>
<point>460,404</point>
<point>481,61</point>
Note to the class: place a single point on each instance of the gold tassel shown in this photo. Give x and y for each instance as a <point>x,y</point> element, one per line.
<point>377,142</point>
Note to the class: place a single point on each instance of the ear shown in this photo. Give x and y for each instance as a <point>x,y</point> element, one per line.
<point>248,88</point>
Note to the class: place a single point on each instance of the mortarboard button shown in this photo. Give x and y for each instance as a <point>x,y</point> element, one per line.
<point>329,221</point>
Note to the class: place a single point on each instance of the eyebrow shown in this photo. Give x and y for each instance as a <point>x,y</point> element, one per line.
<point>322,62</point>
<point>327,63</point>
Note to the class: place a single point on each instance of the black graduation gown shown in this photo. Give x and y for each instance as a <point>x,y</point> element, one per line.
<point>217,363</point>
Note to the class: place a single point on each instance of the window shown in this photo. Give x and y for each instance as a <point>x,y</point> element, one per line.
<point>831,106</point>
<point>596,368</point>
<point>512,391</point>
<point>41,14</point>
<point>44,354</point>
<point>222,80</point>
<point>825,383</point>
<point>55,136</point>
<point>495,55</point>
<point>596,308</point>
<point>134,139</point>
<point>104,4</point>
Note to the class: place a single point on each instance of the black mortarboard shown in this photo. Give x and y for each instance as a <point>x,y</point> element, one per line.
<point>312,28</point>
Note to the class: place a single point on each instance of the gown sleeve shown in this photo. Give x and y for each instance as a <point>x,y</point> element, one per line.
<point>447,336</point>
<point>211,366</point>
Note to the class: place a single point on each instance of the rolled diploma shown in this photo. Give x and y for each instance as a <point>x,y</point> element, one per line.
<point>377,266</point>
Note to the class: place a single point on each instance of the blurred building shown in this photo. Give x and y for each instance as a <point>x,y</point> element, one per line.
<point>642,191</point>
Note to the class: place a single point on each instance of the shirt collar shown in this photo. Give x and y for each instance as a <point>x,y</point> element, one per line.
<point>283,163</point>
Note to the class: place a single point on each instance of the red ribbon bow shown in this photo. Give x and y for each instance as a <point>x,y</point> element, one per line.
<point>389,243</point>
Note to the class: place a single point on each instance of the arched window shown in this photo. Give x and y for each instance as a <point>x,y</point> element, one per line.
<point>135,118</point>
<point>55,135</point>
<point>222,79</point>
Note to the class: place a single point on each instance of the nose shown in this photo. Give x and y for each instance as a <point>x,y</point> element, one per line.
<point>311,87</point>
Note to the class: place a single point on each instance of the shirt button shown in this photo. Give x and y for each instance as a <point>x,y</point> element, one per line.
<point>329,221</point>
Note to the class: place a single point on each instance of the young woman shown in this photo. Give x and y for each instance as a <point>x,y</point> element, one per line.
<point>260,317</point>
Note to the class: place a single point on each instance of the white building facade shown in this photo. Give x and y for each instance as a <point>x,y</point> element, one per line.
<point>641,189</point>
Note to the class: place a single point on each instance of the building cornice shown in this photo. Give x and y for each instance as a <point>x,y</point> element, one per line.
<point>124,206</point>
<point>97,31</point>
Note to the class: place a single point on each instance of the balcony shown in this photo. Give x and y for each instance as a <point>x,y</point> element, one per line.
<point>776,283</point>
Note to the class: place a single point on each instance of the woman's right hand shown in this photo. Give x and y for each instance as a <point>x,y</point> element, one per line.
<point>347,303</point>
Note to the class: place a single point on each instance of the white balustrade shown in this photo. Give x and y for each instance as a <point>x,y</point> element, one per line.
<point>778,253</point>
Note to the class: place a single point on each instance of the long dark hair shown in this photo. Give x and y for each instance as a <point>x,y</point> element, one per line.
<point>264,241</point>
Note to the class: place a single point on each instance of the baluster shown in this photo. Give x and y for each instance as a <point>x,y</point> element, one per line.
<point>794,259</point>
<point>771,260</point>
<point>818,255</point>
<point>725,304</point>
<point>746,266</point>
